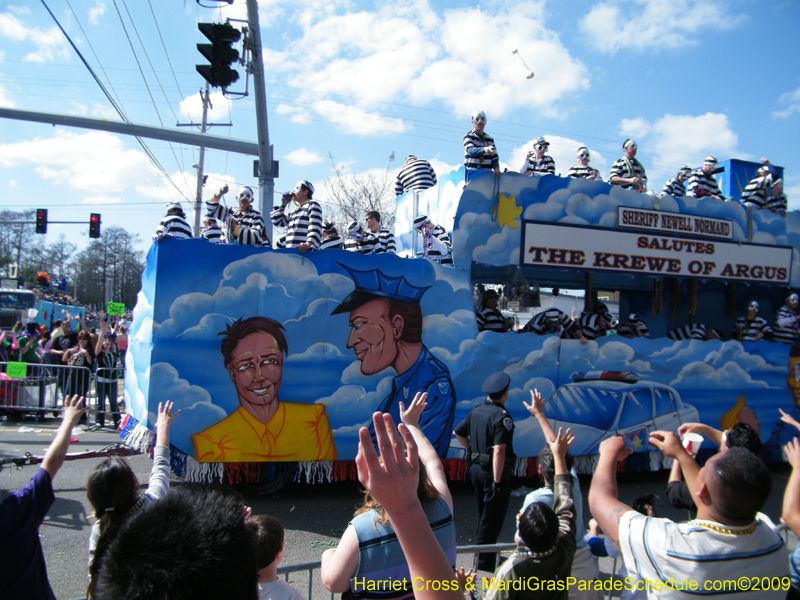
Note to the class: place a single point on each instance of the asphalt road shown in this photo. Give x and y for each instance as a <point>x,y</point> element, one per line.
<point>313,515</point>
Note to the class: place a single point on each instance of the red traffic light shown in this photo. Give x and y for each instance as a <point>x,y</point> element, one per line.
<point>41,220</point>
<point>94,225</point>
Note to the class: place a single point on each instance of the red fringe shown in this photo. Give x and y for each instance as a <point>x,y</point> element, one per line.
<point>455,468</point>
<point>344,470</point>
<point>533,467</point>
<point>242,472</point>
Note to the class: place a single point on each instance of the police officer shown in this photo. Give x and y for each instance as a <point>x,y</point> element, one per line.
<point>487,433</point>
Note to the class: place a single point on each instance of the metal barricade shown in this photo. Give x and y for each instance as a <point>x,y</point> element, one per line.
<point>43,388</point>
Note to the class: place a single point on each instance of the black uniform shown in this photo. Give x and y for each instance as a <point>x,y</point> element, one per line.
<point>486,426</point>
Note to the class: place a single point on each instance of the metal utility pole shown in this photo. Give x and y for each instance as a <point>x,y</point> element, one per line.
<point>266,181</point>
<point>198,205</point>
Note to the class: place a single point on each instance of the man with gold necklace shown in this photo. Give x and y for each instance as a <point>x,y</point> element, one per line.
<point>730,549</point>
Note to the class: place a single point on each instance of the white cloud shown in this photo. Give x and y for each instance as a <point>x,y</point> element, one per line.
<point>303,157</point>
<point>413,53</point>
<point>5,101</point>
<point>358,121</point>
<point>50,43</point>
<point>674,140</point>
<point>84,161</point>
<point>656,24</point>
<point>634,128</point>
<point>97,12</point>
<point>792,99</point>
<point>191,107</point>
<point>298,115</point>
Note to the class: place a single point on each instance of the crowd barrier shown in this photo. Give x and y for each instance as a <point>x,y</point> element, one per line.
<point>44,386</point>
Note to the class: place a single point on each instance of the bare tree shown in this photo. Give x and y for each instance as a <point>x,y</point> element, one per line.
<point>57,255</point>
<point>353,195</point>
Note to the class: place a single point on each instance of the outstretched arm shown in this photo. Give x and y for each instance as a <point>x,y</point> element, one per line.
<point>536,408</point>
<point>791,498</point>
<point>57,451</point>
<point>670,444</point>
<point>603,499</point>
<point>427,453</point>
<point>715,435</point>
<point>393,483</point>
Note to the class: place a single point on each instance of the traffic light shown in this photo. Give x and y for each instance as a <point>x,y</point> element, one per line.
<point>94,225</point>
<point>41,220</point>
<point>219,54</point>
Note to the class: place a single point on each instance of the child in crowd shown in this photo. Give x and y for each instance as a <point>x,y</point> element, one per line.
<point>268,532</point>
<point>115,494</point>
<point>548,535</point>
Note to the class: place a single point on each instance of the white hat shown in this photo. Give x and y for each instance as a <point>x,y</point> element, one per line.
<point>304,184</point>
<point>629,142</point>
<point>174,206</point>
<point>420,221</point>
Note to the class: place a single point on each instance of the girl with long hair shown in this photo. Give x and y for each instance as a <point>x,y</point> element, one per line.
<point>115,493</point>
<point>369,549</point>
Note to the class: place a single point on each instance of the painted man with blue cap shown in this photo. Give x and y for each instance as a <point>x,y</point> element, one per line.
<point>386,331</point>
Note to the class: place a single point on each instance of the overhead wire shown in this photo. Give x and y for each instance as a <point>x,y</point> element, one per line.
<point>144,49</point>
<point>116,106</point>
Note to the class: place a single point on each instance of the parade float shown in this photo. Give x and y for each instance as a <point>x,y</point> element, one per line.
<point>314,343</point>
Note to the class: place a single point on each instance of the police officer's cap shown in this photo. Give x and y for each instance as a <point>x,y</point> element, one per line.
<point>496,383</point>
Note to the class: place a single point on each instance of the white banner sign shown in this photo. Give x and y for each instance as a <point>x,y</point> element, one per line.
<point>593,248</point>
<point>674,223</point>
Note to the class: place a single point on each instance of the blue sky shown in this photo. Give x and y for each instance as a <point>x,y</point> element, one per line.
<point>685,78</point>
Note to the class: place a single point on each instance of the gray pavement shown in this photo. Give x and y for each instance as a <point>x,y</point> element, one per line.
<point>313,515</point>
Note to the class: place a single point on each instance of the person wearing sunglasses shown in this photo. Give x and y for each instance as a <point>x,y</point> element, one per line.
<point>537,162</point>
<point>480,151</point>
<point>627,172</point>
<point>582,170</point>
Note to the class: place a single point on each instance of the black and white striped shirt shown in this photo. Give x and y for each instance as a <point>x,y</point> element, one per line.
<point>416,174</point>
<point>490,319</point>
<point>440,254</point>
<point>332,242</point>
<point>540,166</point>
<point>675,187</point>
<point>627,167</point>
<point>748,330</point>
<point>550,322</point>
<point>473,155</point>
<point>583,172</point>
<point>786,329</point>
<point>756,191</point>
<point>702,184</point>
<point>698,331</point>
<point>174,225</point>
<point>384,242</point>
<point>252,231</point>
<point>634,325</point>
<point>365,246</point>
<point>589,326</point>
<point>304,224</point>
<point>212,234</point>
<point>778,204</point>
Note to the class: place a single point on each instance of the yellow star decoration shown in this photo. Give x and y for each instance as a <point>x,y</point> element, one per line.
<point>636,442</point>
<point>508,211</point>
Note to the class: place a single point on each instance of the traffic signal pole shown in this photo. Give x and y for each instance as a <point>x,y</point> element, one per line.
<point>198,204</point>
<point>266,181</point>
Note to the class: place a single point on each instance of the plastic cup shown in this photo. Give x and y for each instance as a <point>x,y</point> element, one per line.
<point>692,441</point>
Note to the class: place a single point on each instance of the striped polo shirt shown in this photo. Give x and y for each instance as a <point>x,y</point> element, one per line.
<point>702,184</point>
<point>660,550</point>
<point>786,328</point>
<point>384,242</point>
<point>252,231</point>
<point>473,156</point>
<point>416,174</point>
<point>491,320</point>
<point>304,224</point>
<point>675,187</point>
<point>627,167</point>
<point>540,166</point>
<point>174,225</point>
<point>582,172</point>
<point>750,329</point>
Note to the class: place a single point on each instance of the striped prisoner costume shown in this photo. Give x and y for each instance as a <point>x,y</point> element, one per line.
<point>786,328</point>
<point>540,166</point>
<point>473,152</point>
<point>627,167</point>
<point>304,224</point>
<point>580,171</point>
<point>174,225</point>
<point>702,184</point>
<point>252,231</point>
<point>675,187</point>
<point>416,174</point>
